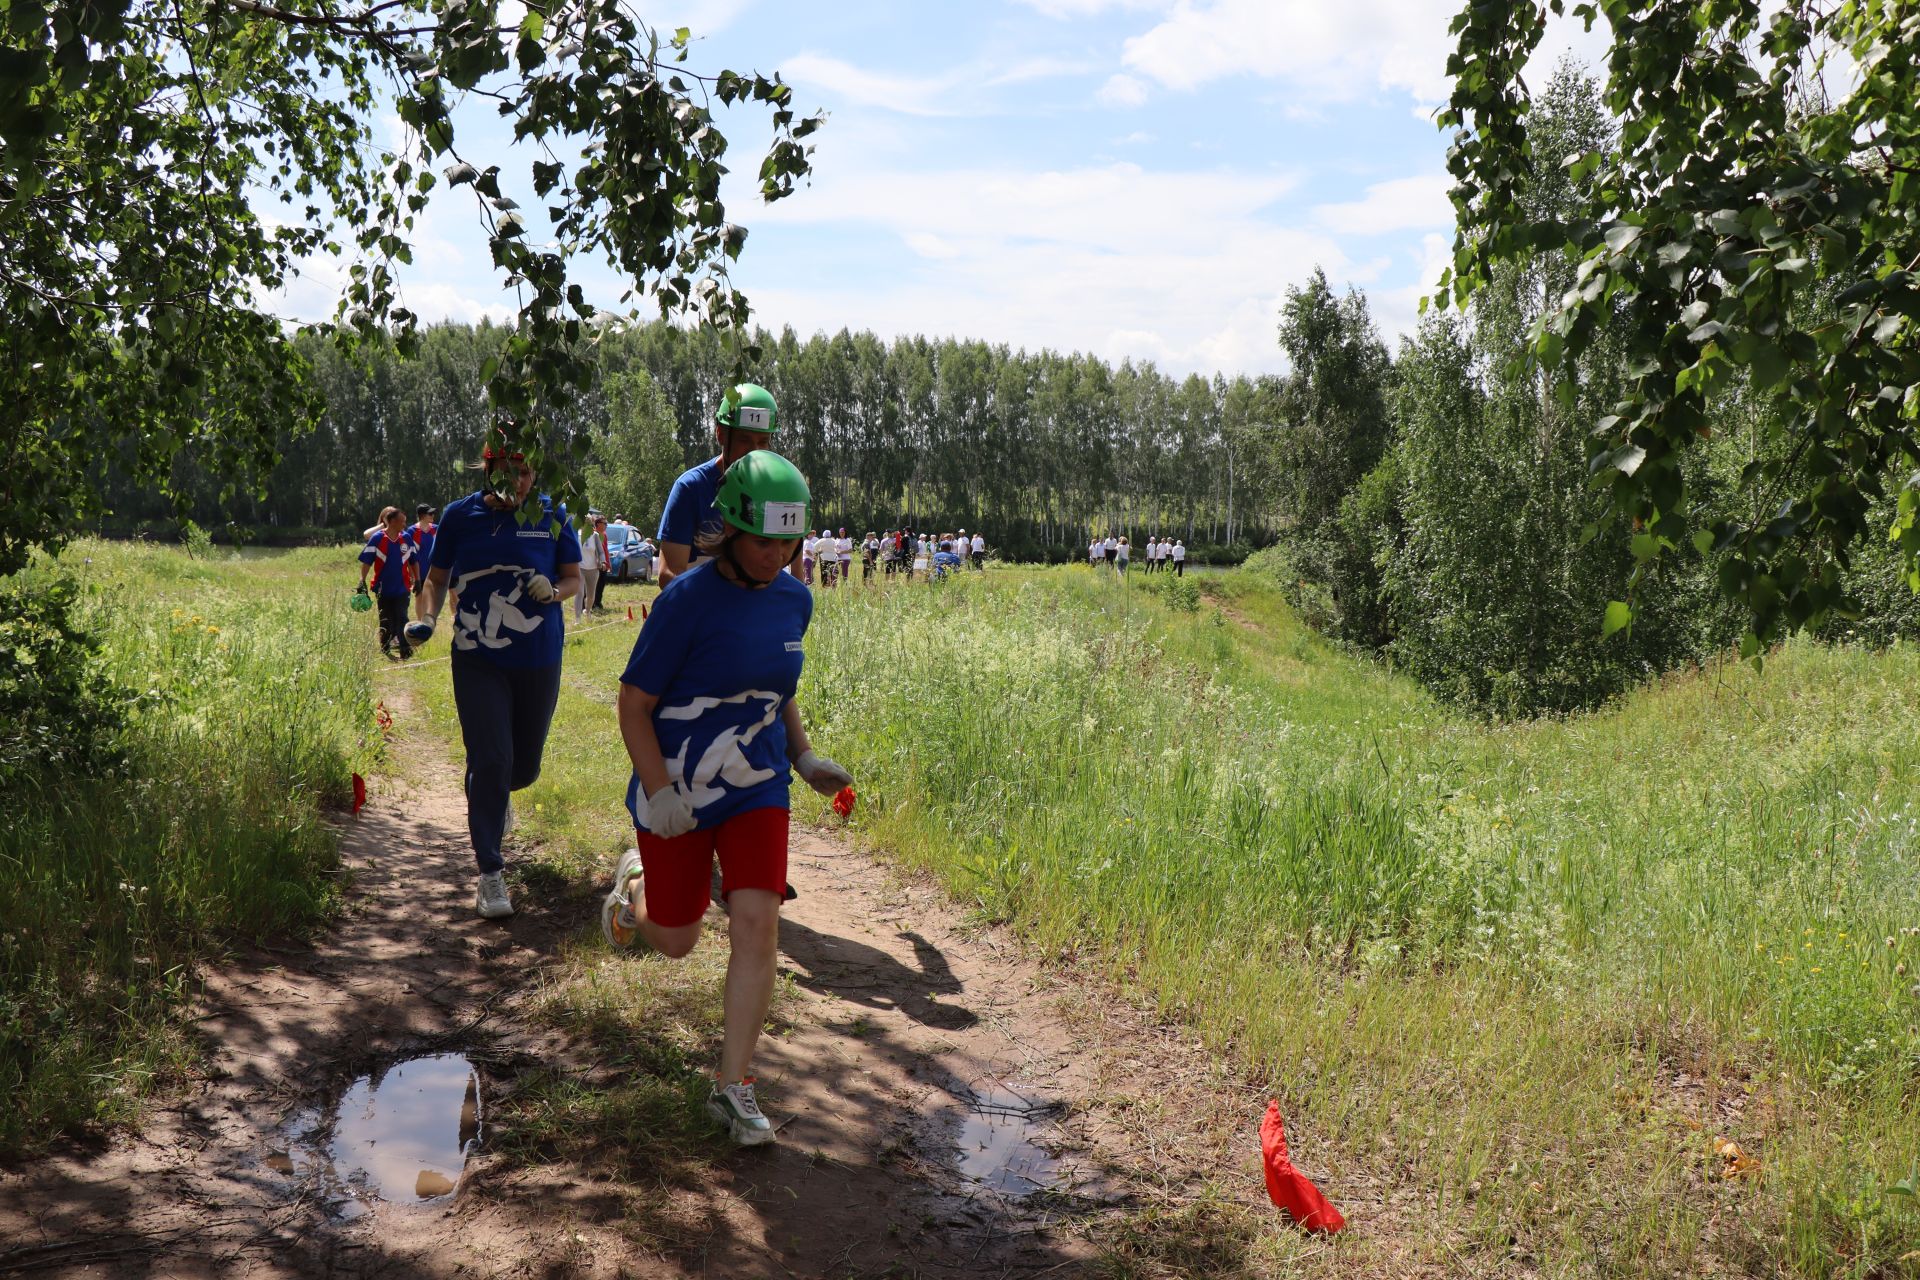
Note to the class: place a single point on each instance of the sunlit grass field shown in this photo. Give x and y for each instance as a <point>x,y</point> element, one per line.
<point>1517,986</point>
<point>1535,977</point>
<point>244,687</point>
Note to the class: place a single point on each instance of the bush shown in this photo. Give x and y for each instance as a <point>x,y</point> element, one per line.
<point>58,712</point>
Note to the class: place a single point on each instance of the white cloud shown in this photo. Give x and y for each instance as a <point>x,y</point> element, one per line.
<point>1088,8</point>
<point>951,92</point>
<point>913,95</point>
<point>1330,51</point>
<point>1184,268</point>
<point>1122,90</point>
<point>928,245</point>
<point>1138,138</point>
<point>1403,204</point>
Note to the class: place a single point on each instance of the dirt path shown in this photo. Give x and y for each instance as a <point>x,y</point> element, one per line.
<point>948,1107</point>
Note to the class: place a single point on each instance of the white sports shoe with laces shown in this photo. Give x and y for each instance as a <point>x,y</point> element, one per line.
<point>490,896</point>
<point>736,1110</point>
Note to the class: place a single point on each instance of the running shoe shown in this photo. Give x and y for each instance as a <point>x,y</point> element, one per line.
<point>490,896</point>
<point>618,925</point>
<point>736,1111</point>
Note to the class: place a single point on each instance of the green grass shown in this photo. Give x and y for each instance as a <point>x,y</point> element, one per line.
<point>1513,967</point>
<point>246,707</point>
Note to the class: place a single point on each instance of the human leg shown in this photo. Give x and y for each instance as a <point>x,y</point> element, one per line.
<point>393,623</point>
<point>481,695</point>
<point>660,892</point>
<point>589,584</point>
<point>535,692</point>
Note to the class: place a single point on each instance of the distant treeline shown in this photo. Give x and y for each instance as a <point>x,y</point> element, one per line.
<point>1036,449</point>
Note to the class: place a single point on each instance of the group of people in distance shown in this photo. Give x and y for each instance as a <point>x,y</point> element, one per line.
<point>897,551</point>
<point>391,561</point>
<point>1162,553</point>
<point>706,706</point>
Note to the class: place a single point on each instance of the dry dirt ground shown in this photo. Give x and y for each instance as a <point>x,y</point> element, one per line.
<point>911,1034</point>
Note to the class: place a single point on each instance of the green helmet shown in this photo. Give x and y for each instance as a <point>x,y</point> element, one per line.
<point>748,407</point>
<point>763,493</point>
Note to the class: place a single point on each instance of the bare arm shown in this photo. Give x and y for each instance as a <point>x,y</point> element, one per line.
<point>436,591</point>
<point>635,707</point>
<point>798,744</point>
<point>673,560</point>
<point>569,584</point>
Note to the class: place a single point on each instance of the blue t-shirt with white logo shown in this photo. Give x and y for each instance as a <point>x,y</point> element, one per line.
<point>724,660</point>
<point>390,577</point>
<point>490,557</point>
<point>690,506</point>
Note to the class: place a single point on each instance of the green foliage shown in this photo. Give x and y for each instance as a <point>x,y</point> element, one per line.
<point>219,702</point>
<point>197,541</point>
<point>1033,449</point>
<point>1333,407</point>
<point>58,711</point>
<point>636,456</point>
<point>1180,594</point>
<point>1742,235</point>
<point>137,138</point>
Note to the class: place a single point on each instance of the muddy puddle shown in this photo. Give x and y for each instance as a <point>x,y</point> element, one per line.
<point>400,1136</point>
<point>998,1141</point>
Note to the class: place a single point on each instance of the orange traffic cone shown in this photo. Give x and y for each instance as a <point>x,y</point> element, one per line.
<point>643,613</point>
<point>629,613</point>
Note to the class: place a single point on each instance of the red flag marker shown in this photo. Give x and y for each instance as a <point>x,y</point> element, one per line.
<point>629,613</point>
<point>1287,1186</point>
<point>843,802</point>
<point>359,792</point>
<point>643,613</point>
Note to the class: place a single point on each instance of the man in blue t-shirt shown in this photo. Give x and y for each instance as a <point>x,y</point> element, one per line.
<point>745,421</point>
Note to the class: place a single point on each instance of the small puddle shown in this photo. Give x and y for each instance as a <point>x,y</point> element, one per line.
<point>400,1136</point>
<point>996,1143</point>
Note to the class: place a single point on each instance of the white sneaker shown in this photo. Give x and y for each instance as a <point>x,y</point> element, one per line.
<point>617,923</point>
<point>736,1111</point>
<point>490,896</point>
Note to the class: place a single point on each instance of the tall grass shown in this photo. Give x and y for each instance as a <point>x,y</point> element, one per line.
<point>1514,958</point>
<point>246,708</point>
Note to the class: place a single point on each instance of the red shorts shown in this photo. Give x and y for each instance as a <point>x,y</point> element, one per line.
<point>676,874</point>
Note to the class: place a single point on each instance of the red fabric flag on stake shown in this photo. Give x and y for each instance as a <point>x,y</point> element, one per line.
<point>643,613</point>
<point>359,792</point>
<point>629,613</point>
<point>1287,1186</point>
<point>843,802</point>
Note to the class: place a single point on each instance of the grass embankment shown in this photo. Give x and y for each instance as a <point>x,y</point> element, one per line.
<point>1526,976</point>
<point>1523,978</point>
<point>243,699</point>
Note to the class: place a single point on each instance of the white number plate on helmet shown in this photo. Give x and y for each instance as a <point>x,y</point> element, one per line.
<point>785,517</point>
<point>753,418</point>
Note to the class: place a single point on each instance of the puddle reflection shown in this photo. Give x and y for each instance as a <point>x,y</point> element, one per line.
<point>399,1136</point>
<point>996,1141</point>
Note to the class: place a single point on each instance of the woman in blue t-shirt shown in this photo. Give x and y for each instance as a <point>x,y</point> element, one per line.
<point>707,711</point>
<point>510,566</point>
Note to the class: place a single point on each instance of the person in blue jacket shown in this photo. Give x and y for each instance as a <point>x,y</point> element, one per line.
<point>711,727</point>
<point>510,558</point>
<point>389,558</point>
<point>744,422</point>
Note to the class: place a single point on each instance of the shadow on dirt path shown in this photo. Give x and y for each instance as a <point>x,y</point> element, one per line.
<point>947,1107</point>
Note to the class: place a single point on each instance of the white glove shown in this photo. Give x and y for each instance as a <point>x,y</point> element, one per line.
<point>669,813</point>
<point>541,589</point>
<point>822,774</point>
<point>423,629</point>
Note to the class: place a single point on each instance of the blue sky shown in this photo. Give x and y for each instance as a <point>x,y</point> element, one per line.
<point>1132,178</point>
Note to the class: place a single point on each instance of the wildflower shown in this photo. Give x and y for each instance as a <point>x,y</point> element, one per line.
<point>1889,944</point>
<point>1815,969</point>
<point>214,631</point>
<point>1843,933</point>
